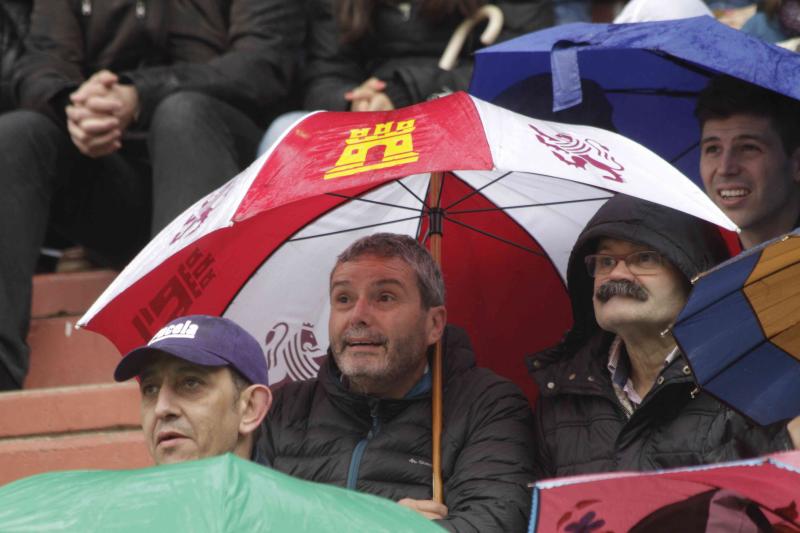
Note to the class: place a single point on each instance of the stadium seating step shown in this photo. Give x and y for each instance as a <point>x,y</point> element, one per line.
<point>62,355</point>
<point>70,414</point>
<point>65,428</point>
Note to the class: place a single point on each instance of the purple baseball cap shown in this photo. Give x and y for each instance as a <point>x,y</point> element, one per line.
<point>202,340</point>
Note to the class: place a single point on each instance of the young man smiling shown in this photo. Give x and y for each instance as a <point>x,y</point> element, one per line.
<point>750,157</point>
<point>203,383</point>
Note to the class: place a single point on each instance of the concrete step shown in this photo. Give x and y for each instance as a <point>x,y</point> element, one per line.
<point>120,449</point>
<point>61,410</point>
<point>62,355</point>
<point>67,428</point>
<point>68,294</point>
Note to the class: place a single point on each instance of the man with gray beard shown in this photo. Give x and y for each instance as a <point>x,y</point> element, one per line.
<point>617,394</point>
<point>365,422</point>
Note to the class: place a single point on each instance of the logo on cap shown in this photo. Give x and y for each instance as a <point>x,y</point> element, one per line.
<point>181,330</point>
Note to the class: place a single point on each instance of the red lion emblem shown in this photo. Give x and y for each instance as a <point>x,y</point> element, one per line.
<point>199,216</point>
<point>578,153</point>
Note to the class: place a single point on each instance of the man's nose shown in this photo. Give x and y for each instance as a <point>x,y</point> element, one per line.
<point>729,163</point>
<point>360,314</point>
<point>621,271</point>
<point>165,403</point>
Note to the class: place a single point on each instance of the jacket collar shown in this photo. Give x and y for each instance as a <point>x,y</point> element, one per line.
<point>585,371</point>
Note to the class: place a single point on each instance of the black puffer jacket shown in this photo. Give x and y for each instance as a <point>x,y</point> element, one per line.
<point>403,49</point>
<point>580,425</point>
<point>241,51</point>
<point>320,431</point>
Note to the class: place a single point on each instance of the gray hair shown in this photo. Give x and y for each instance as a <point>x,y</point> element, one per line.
<point>390,245</point>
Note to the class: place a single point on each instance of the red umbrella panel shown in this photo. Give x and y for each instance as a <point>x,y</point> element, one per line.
<point>260,249</point>
<point>704,498</point>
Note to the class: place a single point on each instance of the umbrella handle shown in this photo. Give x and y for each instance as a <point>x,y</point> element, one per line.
<point>488,12</point>
<point>436,387</point>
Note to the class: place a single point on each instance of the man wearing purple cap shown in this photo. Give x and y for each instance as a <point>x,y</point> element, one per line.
<point>204,389</point>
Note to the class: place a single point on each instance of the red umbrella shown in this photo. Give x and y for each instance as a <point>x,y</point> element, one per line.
<point>687,499</point>
<point>260,249</point>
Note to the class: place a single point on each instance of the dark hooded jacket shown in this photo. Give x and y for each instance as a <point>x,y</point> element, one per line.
<point>239,51</point>
<point>402,48</point>
<point>320,431</point>
<point>581,427</point>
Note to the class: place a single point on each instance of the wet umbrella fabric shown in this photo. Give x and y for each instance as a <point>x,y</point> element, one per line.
<point>216,495</point>
<point>639,79</point>
<point>740,331</point>
<point>685,499</point>
<point>260,249</point>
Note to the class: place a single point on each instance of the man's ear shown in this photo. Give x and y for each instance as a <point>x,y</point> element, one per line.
<point>437,320</point>
<point>794,161</point>
<point>254,401</point>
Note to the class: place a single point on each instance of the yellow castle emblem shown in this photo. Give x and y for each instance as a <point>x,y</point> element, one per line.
<point>397,143</point>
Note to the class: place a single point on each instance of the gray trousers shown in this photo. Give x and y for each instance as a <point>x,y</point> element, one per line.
<point>110,205</point>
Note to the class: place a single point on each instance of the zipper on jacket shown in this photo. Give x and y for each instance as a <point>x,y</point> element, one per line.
<point>358,451</point>
<point>141,8</point>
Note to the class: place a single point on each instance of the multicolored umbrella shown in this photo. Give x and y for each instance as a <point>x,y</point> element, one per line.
<point>740,330</point>
<point>648,74</point>
<point>216,495</point>
<point>259,250</point>
<point>686,499</point>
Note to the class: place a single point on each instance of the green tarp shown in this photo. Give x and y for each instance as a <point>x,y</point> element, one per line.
<point>221,494</point>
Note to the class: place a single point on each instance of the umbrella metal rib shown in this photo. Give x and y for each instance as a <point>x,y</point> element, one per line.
<point>409,191</point>
<point>338,232</point>
<point>506,208</point>
<point>444,212</point>
<point>386,204</point>
<point>492,236</point>
<point>476,191</point>
<point>684,152</point>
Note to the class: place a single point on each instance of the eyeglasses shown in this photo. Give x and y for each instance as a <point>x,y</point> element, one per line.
<point>644,262</point>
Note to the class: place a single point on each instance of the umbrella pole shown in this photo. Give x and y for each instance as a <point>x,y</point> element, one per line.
<point>436,388</point>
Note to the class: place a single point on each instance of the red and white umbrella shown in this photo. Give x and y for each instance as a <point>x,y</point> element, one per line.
<point>260,248</point>
<point>503,198</point>
<point>682,499</point>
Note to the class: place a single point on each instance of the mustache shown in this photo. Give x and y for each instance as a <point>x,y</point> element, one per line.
<point>620,287</point>
<point>363,335</point>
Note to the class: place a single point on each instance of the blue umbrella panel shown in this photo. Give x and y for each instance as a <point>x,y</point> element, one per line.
<point>641,80</point>
<point>740,331</point>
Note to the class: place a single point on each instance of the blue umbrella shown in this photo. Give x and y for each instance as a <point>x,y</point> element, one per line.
<point>648,73</point>
<point>740,330</point>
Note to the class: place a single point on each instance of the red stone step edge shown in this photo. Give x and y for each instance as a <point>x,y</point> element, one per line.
<point>62,410</point>
<point>86,451</point>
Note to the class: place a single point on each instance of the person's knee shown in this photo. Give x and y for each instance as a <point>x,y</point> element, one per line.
<point>22,125</point>
<point>181,111</point>
<point>31,146</point>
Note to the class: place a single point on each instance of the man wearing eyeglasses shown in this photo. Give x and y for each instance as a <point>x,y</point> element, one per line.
<point>617,394</point>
